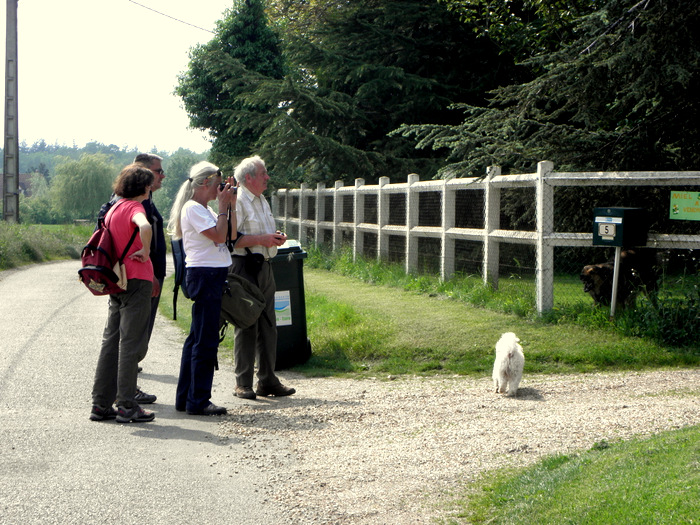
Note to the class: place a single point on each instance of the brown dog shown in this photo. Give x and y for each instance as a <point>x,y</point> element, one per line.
<point>636,273</point>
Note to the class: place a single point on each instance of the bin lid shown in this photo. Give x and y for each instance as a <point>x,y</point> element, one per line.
<point>290,249</point>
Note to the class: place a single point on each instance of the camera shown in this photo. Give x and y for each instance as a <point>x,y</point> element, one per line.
<point>222,185</point>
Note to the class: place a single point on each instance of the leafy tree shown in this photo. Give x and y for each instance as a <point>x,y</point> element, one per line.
<point>300,17</point>
<point>38,208</point>
<point>522,28</point>
<point>363,70</point>
<point>622,92</point>
<point>247,45</point>
<point>80,187</point>
<point>44,157</point>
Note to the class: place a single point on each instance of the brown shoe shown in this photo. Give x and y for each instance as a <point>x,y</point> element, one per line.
<point>279,390</point>
<point>245,392</point>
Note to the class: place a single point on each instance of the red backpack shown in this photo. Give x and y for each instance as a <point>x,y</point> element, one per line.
<point>102,270</point>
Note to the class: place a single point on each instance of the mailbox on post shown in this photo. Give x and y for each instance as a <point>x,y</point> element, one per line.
<point>621,227</point>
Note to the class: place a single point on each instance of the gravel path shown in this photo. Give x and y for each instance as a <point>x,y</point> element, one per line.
<point>390,451</point>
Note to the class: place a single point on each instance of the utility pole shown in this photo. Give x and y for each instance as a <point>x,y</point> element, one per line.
<point>10,173</point>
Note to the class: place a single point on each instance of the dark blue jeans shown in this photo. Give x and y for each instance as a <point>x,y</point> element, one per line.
<point>205,287</point>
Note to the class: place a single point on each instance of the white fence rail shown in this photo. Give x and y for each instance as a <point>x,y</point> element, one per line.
<point>544,238</point>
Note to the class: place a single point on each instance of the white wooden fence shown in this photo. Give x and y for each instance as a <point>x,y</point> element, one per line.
<point>544,238</point>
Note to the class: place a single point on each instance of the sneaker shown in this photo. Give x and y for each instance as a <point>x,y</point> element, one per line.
<point>245,392</point>
<point>142,398</point>
<point>99,413</point>
<point>278,390</point>
<point>135,414</point>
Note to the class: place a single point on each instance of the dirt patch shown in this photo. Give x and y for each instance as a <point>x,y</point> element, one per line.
<point>382,451</point>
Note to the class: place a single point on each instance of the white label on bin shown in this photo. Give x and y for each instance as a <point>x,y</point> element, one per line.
<point>283,308</point>
<point>613,220</point>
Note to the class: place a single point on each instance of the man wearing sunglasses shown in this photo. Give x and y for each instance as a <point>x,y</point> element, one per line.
<point>158,250</point>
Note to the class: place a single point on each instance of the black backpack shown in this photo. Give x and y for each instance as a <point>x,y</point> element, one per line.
<point>180,272</point>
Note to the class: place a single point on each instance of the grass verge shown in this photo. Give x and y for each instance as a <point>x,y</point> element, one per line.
<point>641,481</point>
<point>362,329</point>
<point>22,244</point>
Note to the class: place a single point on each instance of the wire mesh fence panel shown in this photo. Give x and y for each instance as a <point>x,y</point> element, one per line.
<point>370,245</point>
<point>397,248</point>
<point>536,230</point>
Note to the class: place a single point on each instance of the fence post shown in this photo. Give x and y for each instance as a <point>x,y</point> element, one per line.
<point>320,212</point>
<point>544,272</point>
<point>383,220</point>
<point>358,203</point>
<point>303,206</point>
<point>411,222</point>
<point>280,217</point>
<point>337,216</point>
<point>447,263</point>
<point>492,222</point>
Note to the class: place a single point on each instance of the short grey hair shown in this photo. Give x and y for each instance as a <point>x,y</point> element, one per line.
<point>247,166</point>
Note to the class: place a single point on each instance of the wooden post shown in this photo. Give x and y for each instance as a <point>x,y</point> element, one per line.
<point>447,261</point>
<point>411,222</point>
<point>358,202</point>
<point>383,219</point>
<point>337,216</point>
<point>492,222</point>
<point>544,271</point>
<point>303,205</point>
<point>320,212</point>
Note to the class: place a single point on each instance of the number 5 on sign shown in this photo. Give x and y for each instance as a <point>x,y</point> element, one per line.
<point>606,230</point>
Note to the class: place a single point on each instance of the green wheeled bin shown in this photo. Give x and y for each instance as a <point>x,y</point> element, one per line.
<point>293,345</point>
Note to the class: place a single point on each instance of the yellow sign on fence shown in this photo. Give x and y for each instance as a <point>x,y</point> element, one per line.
<point>685,205</point>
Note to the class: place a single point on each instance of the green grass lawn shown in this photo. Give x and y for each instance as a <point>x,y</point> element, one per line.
<point>641,481</point>
<point>365,329</point>
<point>372,329</point>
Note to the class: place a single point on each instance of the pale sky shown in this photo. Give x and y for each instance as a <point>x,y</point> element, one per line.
<point>105,70</point>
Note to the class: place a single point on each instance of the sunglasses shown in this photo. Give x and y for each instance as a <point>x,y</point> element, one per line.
<point>160,171</point>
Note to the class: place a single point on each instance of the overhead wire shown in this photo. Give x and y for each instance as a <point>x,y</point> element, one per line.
<point>171,17</point>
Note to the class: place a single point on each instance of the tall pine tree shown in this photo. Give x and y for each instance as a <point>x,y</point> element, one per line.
<point>620,92</point>
<point>244,48</point>
<point>357,73</point>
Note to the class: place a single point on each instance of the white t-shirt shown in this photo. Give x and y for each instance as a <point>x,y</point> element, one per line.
<point>201,251</point>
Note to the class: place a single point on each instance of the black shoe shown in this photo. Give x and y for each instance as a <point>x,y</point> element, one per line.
<point>135,414</point>
<point>210,410</point>
<point>142,398</point>
<point>278,391</point>
<point>139,370</point>
<point>99,413</point>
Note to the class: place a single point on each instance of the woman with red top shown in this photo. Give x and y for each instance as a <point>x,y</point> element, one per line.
<point>126,332</point>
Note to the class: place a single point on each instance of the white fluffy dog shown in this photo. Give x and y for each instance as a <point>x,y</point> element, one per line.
<point>508,367</point>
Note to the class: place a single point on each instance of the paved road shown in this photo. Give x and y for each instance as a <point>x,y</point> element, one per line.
<point>57,466</point>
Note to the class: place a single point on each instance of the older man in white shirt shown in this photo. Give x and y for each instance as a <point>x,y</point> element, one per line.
<point>253,249</point>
